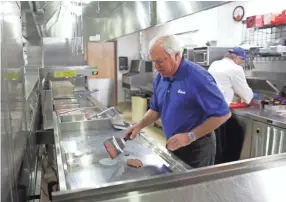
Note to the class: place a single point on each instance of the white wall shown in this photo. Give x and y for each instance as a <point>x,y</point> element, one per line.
<point>216,23</point>
<point>126,46</point>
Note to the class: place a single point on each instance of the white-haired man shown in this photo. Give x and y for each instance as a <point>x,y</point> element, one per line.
<point>188,101</point>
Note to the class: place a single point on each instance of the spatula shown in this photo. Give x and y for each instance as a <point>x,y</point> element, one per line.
<point>115,145</point>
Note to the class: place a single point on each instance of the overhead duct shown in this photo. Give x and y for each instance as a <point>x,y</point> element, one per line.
<point>131,16</point>
<point>35,16</point>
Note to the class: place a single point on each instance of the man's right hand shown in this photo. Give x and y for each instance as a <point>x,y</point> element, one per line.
<point>149,118</point>
<point>134,130</point>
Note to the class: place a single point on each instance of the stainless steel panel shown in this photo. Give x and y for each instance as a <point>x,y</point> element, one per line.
<point>12,36</point>
<point>83,142</point>
<point>171,10</point>
<point>267,140</point>
<point>105,8</point>
<point>62,88</point>
<point>73,118</point>
<point>122,18</point>
<point>126,18</point>
<point>267,117</point>
<point>34,54</point>
<point>13,120</point>
<point>31,79</point>
<point>251,180</point>
<point>105,90</point>
<point>247,125</point>
<point>47,104</point>
<point>6,161</point>
<point>63,108</point>
<point>282,142</point>
<point>258,139</point>
<point>274,146</point>
<point>65,101</point>
<point>92,27</point>
<point>60,52</point>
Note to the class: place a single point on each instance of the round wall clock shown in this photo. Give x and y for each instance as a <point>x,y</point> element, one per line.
<point>238,13</point>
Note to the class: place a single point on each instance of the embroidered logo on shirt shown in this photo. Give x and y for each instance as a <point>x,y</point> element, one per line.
<point>181,92</point>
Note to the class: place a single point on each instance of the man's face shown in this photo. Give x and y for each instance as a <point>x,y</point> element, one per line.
<point>164,63</point>
<point>238,60</point>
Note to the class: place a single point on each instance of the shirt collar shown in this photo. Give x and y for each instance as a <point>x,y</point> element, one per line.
<point>180,73</point>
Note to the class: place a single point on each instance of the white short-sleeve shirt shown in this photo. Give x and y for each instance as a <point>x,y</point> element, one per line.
<point>231,80</point>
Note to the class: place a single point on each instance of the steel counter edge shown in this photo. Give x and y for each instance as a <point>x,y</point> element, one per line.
<point>157,183</point>
<point>261,115</point>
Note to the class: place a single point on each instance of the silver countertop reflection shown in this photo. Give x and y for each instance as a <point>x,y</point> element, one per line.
<point>262,115</point>
<point>260,180</point>
<point>87,163</point>
<point>30,82</point>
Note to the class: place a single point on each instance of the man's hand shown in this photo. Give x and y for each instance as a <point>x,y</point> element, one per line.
<point>134,130</point>
<point>177,141</point>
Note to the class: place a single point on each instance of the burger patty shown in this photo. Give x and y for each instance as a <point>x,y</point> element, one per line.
<point>111,150</point>
<point>135,163</point>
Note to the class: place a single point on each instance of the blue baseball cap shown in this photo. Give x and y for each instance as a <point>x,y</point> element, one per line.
<point>238,51</point>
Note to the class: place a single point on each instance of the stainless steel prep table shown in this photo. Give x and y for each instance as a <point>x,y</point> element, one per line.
<point>264,132</point>
<point>261,179</point>
<point>83,161</point>
<point>262,115</point>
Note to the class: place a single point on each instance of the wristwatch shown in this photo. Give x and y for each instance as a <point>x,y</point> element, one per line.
<point>192,136</point>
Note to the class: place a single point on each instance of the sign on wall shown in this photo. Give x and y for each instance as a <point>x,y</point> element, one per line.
<point>94,38</point>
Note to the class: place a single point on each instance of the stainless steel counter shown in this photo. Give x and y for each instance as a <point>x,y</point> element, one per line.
<point>31,80</point>
<point>261,179</point>
<point>264,116</point>
<point>84,162</point>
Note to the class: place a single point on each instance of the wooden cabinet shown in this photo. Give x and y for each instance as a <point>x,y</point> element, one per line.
<point>103,56</point>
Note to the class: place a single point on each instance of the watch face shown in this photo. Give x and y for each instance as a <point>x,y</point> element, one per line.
<point>238,13</point>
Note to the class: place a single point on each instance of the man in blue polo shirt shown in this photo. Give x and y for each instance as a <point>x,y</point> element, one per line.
<point>187,100</point>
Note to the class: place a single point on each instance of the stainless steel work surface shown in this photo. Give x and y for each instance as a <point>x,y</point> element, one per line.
<point>256,180</point>
<point>262,115</point>
<point>87,164</point>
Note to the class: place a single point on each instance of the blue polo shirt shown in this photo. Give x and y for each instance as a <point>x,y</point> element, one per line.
<point>187,99</point>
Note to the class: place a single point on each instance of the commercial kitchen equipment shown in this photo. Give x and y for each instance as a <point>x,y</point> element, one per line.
<point>86,173</point>
<point>60,82</point>
<point>260,179</point>
<point>188,53</point>
<point>141,72</point>
<point>205,56</point>
<point>82,160</point>
<point>123,63</point>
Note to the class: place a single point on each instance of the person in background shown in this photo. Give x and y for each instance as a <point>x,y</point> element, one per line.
<point>187,100</point>
<point>231,80</point>
<point>230,77</point>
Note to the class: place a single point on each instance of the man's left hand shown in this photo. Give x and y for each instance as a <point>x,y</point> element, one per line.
<point>177,141</point>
